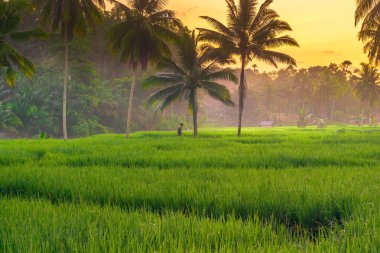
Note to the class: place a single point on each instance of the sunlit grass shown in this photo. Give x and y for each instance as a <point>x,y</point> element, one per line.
<point>280,189</point>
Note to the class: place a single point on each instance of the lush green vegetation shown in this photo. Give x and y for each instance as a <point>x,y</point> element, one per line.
<point>96,84</point>
<point>283,189</point>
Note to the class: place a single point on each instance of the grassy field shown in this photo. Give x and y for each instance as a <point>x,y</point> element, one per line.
<point>274,190</point>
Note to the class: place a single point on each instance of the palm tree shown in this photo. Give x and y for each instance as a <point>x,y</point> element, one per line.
<point>197,68</point>
<point>367,11</point>
<point>369,35</point>
<point>255,67</point>
<point>330,85</point>
<point>302,86</point>
<point>141,37</point>
<point>70,18</point>
<point>10,18</point>
<point>251,33</point>
<point>368,86</point>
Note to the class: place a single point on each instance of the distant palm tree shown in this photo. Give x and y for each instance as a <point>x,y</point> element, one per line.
<point>141,37</point>
<point>302,87</point>
<point>10,18</point>
<point>345,65</point>
<point>368,86</point>
<point>255,67</point>
<point>330,85</point>
<point>251,33</point>
<point>70,18</point>
<point>197,68</point>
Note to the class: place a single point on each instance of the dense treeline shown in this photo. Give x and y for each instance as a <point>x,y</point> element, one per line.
<point>99,84</point>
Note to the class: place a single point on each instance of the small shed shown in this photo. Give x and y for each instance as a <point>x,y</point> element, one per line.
<point>267,124</point>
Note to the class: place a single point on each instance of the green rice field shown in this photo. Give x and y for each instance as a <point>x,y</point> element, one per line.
<point>273,190</point>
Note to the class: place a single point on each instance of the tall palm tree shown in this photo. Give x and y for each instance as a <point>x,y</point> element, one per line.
<point>141,38</point>
<point>70,18</point>
<point>197,68</point>
<point>368,86</point>
<point>10,58</point>
<point>252,32</point>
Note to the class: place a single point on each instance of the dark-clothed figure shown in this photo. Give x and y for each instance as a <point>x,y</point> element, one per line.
<point>179,130</point>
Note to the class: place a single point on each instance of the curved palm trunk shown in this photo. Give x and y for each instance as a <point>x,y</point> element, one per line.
<point>65,85</point>
<point>242,90</point>
<point>195,114</point>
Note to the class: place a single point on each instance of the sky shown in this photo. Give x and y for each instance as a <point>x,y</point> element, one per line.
<point>324,29</point>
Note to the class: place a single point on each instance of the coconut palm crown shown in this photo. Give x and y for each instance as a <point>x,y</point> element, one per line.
<point>10,58</point>
<point>367,86</point>
<point>198,67</point>
<point>253,31</point>
<point>141,37</point>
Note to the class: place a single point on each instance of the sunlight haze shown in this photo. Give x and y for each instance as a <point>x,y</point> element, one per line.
<point>324,28</point>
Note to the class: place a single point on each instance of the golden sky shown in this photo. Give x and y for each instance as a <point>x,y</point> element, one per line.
<point>324,28</point>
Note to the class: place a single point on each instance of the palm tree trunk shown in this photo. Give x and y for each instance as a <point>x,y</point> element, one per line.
<point>130,105</point>
<point>65,85</point>
<point>333,109</point>
<point>321,104</point>
<point>303,101</point>
<point>241,94</point>
<point>369,114</point>
<point>195,114</point>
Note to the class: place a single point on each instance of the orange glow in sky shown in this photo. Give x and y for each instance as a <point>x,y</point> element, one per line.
<point>324,28</point>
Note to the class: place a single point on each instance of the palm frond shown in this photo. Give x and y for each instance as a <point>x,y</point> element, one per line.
<point>162,79</point>
<point>223,74</point>
<point>164,97</point>
<point>218,92</point>
<point>28,35</point>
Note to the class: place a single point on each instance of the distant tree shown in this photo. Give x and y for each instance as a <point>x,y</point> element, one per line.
<point>302,87</point>
<point>10,18</point>
<point>252,32</point>
<point>368,86</point>
<point>255,68</point>
<point>7,117</point>
<point>197,68</point>
<point>346,64</point>
<point>303,118</point>
<point>329,84</point>
<point>345,67</point>
<point>141,37</point>
<point>268,96</point>
<point>70,18</point>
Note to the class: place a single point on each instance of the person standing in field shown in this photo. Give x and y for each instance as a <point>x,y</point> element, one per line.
<point>179,130</point>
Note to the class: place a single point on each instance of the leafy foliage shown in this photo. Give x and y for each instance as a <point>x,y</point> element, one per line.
<point>368,85</point>
<point>252,32</point>
<point>10,58</point>
<point>197,68</point>
<point>303,118</point>
<point>142,33</point>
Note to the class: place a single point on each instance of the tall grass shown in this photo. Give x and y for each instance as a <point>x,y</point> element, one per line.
<point>38,226</point>
<point>274,190</point>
